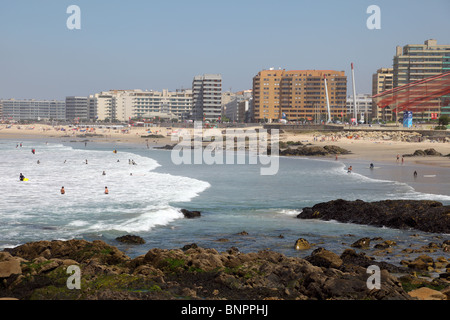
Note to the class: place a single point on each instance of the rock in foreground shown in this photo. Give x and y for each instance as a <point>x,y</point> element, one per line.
<point>423,215</point>
<point>188,273</point>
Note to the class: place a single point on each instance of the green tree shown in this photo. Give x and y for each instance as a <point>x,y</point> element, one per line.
<point>444,120</point>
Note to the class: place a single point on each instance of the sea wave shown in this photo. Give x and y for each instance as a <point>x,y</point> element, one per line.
<point>139,198</point>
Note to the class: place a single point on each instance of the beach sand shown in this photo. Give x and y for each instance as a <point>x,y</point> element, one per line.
<point>377,150</point>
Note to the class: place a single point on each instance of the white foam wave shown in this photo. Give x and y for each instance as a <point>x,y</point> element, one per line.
<point>138,200</point>
<point>291,212</point>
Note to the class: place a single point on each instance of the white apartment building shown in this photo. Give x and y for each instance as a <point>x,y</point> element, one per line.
<point>123,105</point>
<point>207,97</point>
<point>77,108</point>
<point>31,109</point>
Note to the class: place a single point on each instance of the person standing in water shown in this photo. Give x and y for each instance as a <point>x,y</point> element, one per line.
<point>63,191</point>
<point>106,190</point>
<point>21,177</point>
<point>349,170</point>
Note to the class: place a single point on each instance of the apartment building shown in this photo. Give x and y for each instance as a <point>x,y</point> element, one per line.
<point>414,62</point>
<point>382,80</point>
<point>31,109</point>
<point>123,105</point>
<point>418,61</point>
<point>298,94</point>
<point>77,108</point>
<point>207,97</point>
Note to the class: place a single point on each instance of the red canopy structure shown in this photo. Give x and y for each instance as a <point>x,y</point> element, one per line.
<point>416,96</point>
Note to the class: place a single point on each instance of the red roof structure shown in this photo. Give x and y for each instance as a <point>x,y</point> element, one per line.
<point>416,96</point>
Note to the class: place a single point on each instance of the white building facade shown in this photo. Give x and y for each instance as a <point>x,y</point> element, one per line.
<point>33,109</point>
<point>124,105</point>
<point>207,97</point>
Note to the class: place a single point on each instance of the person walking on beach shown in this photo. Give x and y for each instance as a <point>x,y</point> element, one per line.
<point>63,191</point>
<point>415,174</point>
<point>398,158</point>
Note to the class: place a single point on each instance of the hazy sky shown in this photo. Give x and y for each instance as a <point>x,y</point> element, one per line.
<point>155,45</point>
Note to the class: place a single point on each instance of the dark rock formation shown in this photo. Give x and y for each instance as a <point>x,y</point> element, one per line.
<point>302,244</point>
<point>130,239</point>
<point>361,243</point>
<point>190,214</point>
<point>188,273</point>
<point>424,215</point>
<point>423,153</point>
<point>313,151</point>
<point>166,147</point>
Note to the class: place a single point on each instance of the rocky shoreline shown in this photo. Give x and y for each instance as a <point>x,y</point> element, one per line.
<point>39,271</point>
<point>423,215</point>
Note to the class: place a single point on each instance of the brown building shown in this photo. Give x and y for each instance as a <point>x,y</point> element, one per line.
<point>382,81</point>
<point>299,94</point>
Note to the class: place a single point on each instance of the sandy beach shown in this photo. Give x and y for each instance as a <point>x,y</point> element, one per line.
<point>370,149</point>
<point>377,150</point>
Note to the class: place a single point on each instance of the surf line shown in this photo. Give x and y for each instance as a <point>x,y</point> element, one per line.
<point>223,149</point>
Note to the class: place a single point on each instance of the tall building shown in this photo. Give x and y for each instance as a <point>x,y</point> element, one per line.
<point>31,109</point>
<point>77,108</point>
<point>207,97</point>
<point>418,61</point>
<point>381,81</point>
<point>123,105</point>
<point>298,94</point>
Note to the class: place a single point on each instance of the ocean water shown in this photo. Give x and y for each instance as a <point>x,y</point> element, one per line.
<point>145,199</point>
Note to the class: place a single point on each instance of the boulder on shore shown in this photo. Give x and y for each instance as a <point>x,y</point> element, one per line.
<point>302,244</point>
<point>314,151</point>
<point>190,214</point>
<point>130,239</point>
<point>423,215</point>
<point>424,153</point>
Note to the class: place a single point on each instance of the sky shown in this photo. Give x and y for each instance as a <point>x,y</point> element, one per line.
<point>155,45</point>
